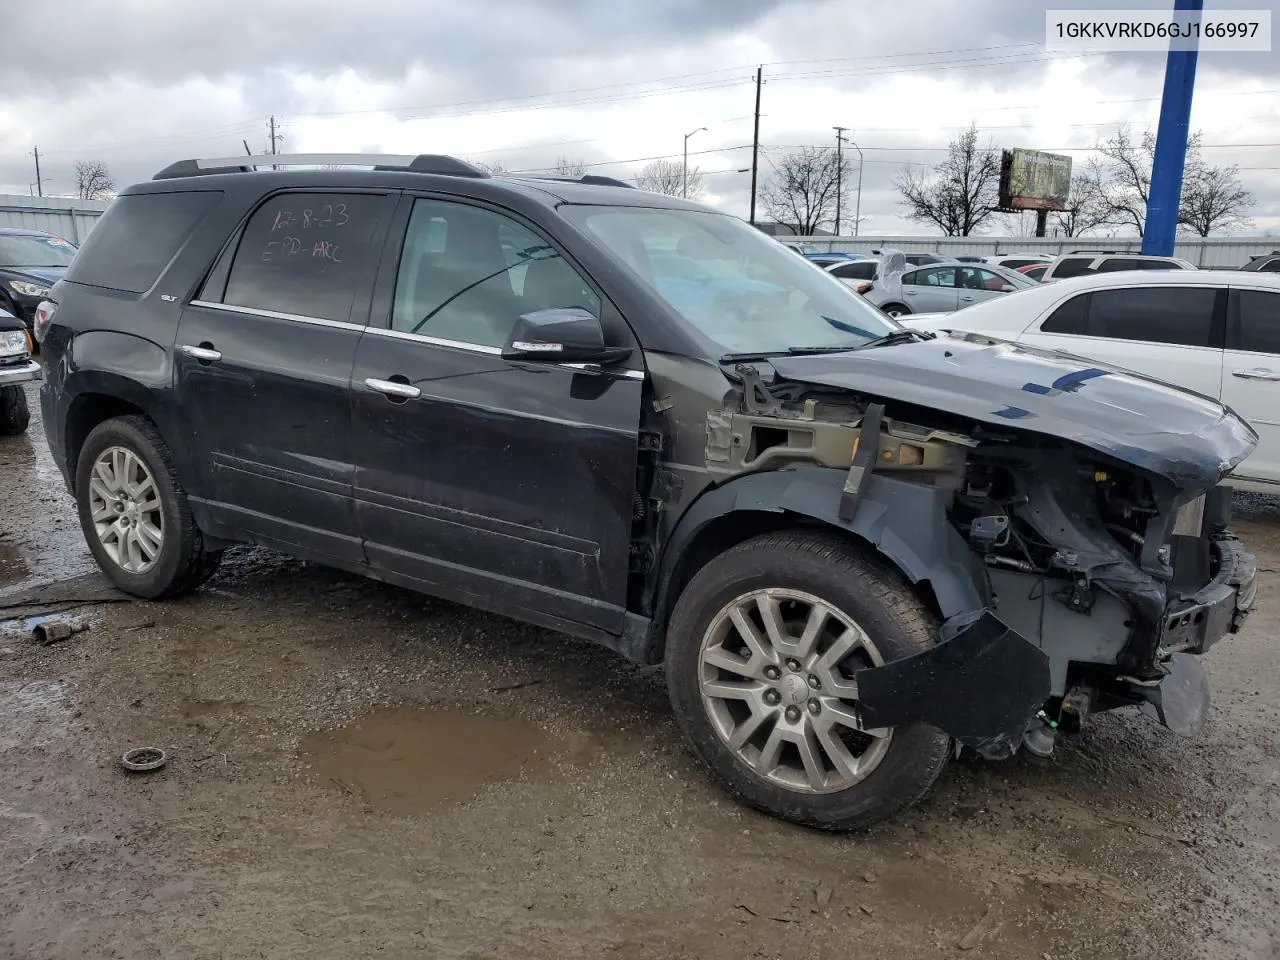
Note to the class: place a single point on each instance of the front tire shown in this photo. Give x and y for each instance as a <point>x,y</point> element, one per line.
<point>14,413</point>
<point>896,310</point>
<point>762,651</point>
<point>134,512</point>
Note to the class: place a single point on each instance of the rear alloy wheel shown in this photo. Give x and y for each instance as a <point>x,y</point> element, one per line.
<point>125,505</point>
<point>134,512</point>
<point>896,310</point>
<point>763,651</point>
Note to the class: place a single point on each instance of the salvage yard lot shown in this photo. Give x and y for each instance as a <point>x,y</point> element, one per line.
<point>358,771</point>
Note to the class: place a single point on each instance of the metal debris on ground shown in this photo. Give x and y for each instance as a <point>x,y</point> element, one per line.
<point>144,759</point>
<point>48,632</point>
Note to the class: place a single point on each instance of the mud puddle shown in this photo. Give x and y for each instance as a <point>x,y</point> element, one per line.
<point>406,762</point>
<point>13,568</point>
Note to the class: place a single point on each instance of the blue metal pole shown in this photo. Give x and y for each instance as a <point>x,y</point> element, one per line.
<point>1171,143</point>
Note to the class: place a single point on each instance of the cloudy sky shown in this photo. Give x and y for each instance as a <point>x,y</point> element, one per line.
<point>139,83</point>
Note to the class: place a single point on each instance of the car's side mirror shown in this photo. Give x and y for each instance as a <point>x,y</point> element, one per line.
<point>561,335</point>
<point>1008,288</point>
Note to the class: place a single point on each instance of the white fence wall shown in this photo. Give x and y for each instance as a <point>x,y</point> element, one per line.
<point>1202,251</point>
<point>66,217</point>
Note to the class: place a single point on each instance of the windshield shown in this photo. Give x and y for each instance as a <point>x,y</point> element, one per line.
<point>27,251</point>
<point>739,287</point>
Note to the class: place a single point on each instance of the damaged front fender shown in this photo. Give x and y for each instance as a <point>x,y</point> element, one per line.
<point>984,682</point>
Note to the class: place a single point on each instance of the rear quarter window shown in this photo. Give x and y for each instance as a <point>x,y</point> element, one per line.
<point>137,237</point>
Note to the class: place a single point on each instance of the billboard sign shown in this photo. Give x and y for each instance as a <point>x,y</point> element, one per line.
<point>1034,180</point>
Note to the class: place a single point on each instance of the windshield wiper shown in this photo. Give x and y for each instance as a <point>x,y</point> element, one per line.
<point>898,336</point>
<point>789,351</point>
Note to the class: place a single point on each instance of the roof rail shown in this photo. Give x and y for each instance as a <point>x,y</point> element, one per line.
<point>1121,253</point>
<point>591,179</point>
<point>419,163</point>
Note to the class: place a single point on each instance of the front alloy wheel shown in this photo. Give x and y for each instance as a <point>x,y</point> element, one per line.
<point>125,506</point>
<point>764,647</point>
<point>777,683</point>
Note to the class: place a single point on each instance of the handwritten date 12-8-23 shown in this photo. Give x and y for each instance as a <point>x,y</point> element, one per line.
<point>329,215</point>
<point>286,248</point>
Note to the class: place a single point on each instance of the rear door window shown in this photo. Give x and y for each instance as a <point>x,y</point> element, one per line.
<point>1172,315</point>
<point>936,277</point>
<point>1255,326</point>
<point>307,254</point>
<point>1071,267</point>
<point>137,237</point>
<point>1116,264</point>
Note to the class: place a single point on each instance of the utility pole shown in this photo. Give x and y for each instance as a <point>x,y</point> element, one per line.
<point>755,145</point>
<point>39,185</point>
<point>684,171</point>
<point>1170,159</point>
<point>274,137</point>
<point>839,173</point>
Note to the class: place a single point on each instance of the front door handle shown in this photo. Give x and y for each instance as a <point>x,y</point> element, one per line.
<point>203,354</point>
<point>1258,373</point>
<point>394,389</point>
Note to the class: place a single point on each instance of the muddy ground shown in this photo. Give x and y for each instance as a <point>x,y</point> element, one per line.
<point>358,771</point>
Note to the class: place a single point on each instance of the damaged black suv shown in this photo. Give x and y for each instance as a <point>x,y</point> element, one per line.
<point>856,549</point>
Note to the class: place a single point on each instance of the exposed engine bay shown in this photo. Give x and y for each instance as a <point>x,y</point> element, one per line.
<point>1117,574</point>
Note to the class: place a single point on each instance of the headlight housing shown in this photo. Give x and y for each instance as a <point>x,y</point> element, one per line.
<point>28,289</point>
<point>13,343</point>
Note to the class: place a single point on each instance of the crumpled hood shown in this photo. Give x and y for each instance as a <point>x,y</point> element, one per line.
<point>1188,438</point>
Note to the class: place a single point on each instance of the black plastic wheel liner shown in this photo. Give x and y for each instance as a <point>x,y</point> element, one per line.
<point>981,685</point>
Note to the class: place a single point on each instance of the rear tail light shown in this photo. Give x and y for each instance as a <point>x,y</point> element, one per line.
<point>44,315</point>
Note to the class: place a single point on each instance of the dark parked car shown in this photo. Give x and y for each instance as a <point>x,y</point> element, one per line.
<point>639,421</point>
<point>16,368</point>
<point>30,263</point>
<point>1265,263</point>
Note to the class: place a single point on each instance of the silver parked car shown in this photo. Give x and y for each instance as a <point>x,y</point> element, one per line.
<point>899,290</point>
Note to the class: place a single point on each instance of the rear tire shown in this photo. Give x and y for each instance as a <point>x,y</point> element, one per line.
<point>134,512</point>
<point>749,707</point>
<point>896,309</point>
<point>14,413</point>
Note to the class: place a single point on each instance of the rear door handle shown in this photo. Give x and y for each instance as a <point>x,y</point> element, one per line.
<point>400,391</point>
<point>203,354</point>
<point>966,299</point>
<point>1258,373</point>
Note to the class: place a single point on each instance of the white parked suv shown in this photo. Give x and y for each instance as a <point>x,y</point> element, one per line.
<point>1081,262</point>
<point>1216,332</point>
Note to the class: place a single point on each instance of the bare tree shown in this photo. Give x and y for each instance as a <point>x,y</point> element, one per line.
<point>1213,199</point>
<point>962,191</point>
<point>93,180</point>
<point>1018,224</point>
<point>668,177</point>
<point>1086,207</point>
<point>493,168</point>
<point>801,193</point>
<point>566,167</point>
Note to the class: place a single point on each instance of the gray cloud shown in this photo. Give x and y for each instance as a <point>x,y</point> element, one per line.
<point>173,80</point>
